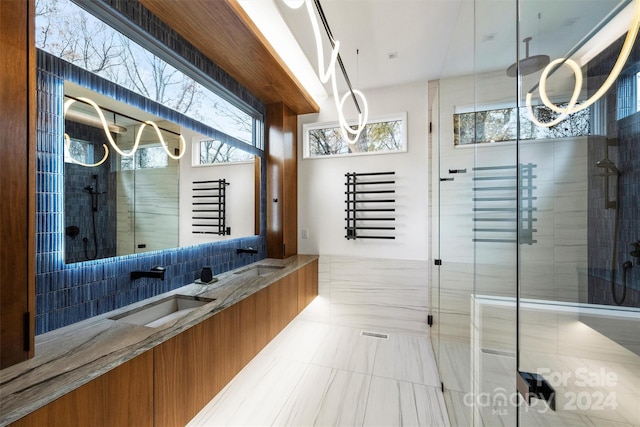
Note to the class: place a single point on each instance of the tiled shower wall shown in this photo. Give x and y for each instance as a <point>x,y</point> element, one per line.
<point>379,295</point>
<point>624,151</point>
<point>69,293</point>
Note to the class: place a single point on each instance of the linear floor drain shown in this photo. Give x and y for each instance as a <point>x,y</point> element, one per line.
<point>374,335</point>
<point>498,352</point>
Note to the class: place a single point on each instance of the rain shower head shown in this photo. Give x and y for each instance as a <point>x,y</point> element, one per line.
<point>530,64</point>
<point>608,164</point>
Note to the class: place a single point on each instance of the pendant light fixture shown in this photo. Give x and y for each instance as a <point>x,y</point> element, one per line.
<point>350,134</point>
<point>101,122</point>
<point>573,106</point>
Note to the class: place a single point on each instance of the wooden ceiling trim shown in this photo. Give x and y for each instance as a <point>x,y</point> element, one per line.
<point>223,32</point>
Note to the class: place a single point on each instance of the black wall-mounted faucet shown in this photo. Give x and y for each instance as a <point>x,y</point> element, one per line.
<point>156,272</point>
<point>246,251</point>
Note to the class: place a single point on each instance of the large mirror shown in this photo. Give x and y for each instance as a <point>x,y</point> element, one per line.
<point>134,182</point>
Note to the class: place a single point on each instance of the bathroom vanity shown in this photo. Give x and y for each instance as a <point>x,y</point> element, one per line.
<point>111,370</point>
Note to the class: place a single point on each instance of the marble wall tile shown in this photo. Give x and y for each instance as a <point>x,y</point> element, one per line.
<point>381,294</point>
<point>381,318</point>
<point>454,326</point>
<point>454,302</point>
<point>539,329</point>
<point>625,332</point>
<point>577,339</point>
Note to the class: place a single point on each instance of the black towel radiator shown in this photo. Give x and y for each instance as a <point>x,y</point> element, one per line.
<point>503,199</point>
<point>209,207</point>
<point>369,207</point>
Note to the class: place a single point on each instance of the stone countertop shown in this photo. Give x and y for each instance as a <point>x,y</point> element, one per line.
<point>70,357</point>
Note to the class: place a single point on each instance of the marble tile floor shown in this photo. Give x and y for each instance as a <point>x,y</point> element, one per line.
<point>322,374</point>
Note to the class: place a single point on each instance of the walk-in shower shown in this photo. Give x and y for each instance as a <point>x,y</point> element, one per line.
<point>565,305</point>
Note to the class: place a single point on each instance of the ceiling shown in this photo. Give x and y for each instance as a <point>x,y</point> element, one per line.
<point>392,42</point>
<point>270,48</point>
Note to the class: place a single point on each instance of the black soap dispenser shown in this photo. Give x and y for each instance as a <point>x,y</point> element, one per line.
<point>206,275</point>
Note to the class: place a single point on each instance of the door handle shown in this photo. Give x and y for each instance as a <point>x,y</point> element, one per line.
<point>458,170</point>
<point>533,385</point>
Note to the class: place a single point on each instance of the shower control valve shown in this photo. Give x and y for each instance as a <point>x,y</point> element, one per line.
<point>636,251</point>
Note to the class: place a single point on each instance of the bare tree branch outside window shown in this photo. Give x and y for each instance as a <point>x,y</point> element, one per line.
<point>499,125</point>
<point>377,137</point>
<point>67,31</point>
<point>212,151</point>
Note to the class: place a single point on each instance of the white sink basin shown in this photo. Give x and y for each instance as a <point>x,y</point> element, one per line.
<point>158,313</point>
<point>260,270</point>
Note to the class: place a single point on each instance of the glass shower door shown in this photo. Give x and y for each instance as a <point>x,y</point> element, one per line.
<point>475,165</point>
<point>578,314</point>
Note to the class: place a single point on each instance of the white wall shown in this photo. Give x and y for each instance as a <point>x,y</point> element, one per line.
<point>321,199</point>
<point>147,206</point>
<point>240,197</point>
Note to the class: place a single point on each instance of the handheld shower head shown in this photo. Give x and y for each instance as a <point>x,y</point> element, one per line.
<point>89,189</point>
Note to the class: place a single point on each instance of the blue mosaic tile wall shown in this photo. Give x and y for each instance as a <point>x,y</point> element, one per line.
<point>623,128</point>
<point>69,293</point>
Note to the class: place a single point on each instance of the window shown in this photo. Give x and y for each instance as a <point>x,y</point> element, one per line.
<point>498,125</point>
<point>71,33</point>
<point>80,151</point>
<point>210,151</point>
<point>382,135</point>
<point>146,158</point>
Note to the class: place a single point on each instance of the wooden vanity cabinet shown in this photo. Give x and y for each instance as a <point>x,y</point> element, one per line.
<point>192,367</point>
<point>168,385</point>
<point>121,397</point>
<point>177,370</point>
<point>283,303</point>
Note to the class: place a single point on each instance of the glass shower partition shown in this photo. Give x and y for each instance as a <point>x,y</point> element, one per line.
<point>475,217</point>
<point>536,228</point>
<point>579,324</point>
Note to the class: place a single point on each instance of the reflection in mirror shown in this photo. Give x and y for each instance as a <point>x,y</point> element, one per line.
<point>210,210</point>
<point>127,191</point>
